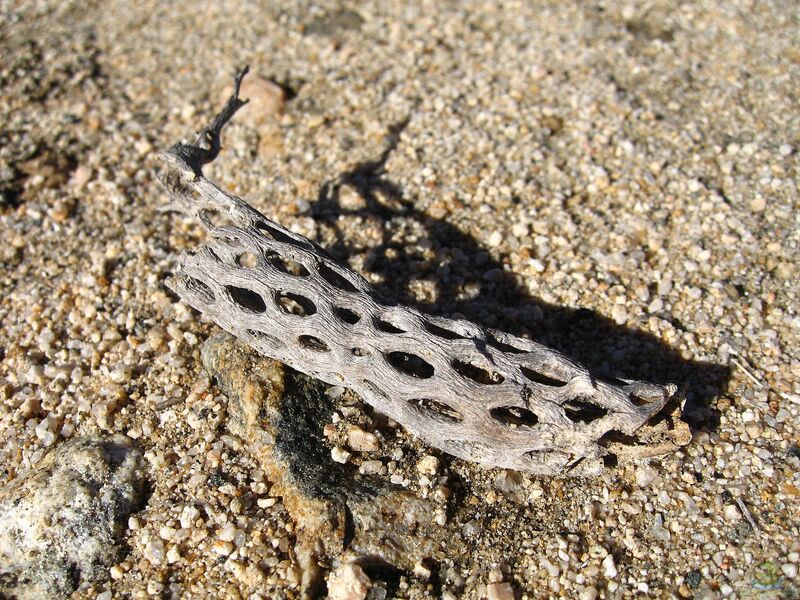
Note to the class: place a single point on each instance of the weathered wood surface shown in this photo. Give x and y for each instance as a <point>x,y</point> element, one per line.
<point>479,394</point>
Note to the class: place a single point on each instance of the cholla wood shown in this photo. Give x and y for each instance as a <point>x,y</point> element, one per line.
<point>476,393</point>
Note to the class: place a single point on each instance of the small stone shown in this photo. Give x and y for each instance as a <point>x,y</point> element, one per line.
<point>609,568</point>
<point>188,516</point>
<point>588,593</point>
<point>789,570</point>
<point>222,548</point>
<point>154,551</point>
<point>362,441</point>
<point>428,465</point>
<point>227,533</point>
<point>499,591</point>
<point>348,582</point>
<point>645,475</point>
<point>62,524</point>
<point>619,314</point>
<point>421,571</point>
<point>732,513</point>
<point>266,502</point>
<point>758,204</point>
<point>370,467</point>
<point>265,100</point>
<point>121,374</point>
<point>340,455</point>
<point>508,481</point>
<point>156,337</point>
<point>495,239</point>
<point>116,572</point>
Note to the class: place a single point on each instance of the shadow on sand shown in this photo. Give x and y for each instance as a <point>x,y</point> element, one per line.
<point>497,300</point>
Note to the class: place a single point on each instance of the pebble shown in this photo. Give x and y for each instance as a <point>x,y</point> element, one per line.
<point>222,547</point>
<point>348,582</point>
<point>499,591</point>
<point>732,513</point>
<point>340,455</point>
<point>588,593</point>
<point>370,467</point>
<point>609,568</point>
<point>789,570</point>
<point>52,538</point>
<point>362,441</point>
<point>428,465</point>
<point>266,100</point>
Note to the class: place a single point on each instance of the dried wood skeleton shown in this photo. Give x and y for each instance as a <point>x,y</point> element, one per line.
<point>479,394</point>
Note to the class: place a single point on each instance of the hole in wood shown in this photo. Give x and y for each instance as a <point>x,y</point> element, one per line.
<point>541,378</point>
<point>247,260</point>
<point>612,380</point>
<point>514,416</point>
<point>434,408</point>
<point>203,293</point>
<point>313,343</point>
<point>385,326</point>
<point>359,352</point>
<point>542,457</point>
<point>476,373</point>
<point>442,332</point>
<point>286,265</point>
<point>346,315</point>
<point>335,279</point>
<point>410,364</point>
<point>640,399</point>
<point>265,337</point>
<point>273,233</point>
<point>246,299</point>
<point>295,304</point>
<point>581,411</point>
<point>612,436</point>
<point>495,343</point>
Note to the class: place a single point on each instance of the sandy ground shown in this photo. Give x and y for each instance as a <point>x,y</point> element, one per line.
<point>616,181</point>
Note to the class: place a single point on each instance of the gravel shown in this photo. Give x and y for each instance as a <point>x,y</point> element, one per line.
<point>616,181</point>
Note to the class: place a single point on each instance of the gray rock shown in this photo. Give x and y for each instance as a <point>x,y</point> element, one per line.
<point>61,524</point>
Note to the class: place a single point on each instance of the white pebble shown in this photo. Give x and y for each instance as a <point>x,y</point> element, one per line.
<point>188,516</point>
<point>154,551</point>
<point>370,467</point>
<point>609,568</point>
<point>588,593</point>
<point>361,441</point>
<point>339,454</point>
<point>789,570</point>
<point>428,465</point>
<point>348,582</point>
<point>500,591</point>
<point>221,547</point>
<point>732,513</point>
<point>266,502</point>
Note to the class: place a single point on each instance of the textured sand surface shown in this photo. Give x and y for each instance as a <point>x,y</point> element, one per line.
<point>619,182</point>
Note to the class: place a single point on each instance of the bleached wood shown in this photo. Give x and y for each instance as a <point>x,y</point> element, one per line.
<point>478,394</point>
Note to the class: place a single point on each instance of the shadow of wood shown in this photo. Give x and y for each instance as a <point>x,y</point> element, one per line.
<point>496,300</point>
